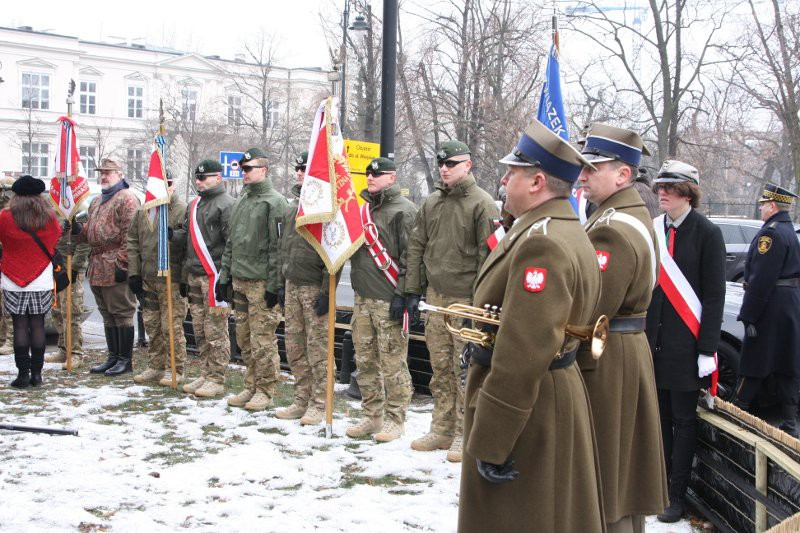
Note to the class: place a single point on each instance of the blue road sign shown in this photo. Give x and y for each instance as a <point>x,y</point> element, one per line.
<point>230,164</point>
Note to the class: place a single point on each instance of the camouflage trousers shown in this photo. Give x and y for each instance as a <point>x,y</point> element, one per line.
<point>60,316</point>
<point>445,353</point>
<point>157,323</point>
<point>6,327</point>
<point>306,344</point>
<point>381,353</point>
<point>210,325</point>
<point>255,335</point>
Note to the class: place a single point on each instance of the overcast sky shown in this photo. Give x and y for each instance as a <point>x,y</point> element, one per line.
<point>218,28</point>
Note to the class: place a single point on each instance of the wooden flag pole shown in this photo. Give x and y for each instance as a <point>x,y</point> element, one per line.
<point>331,366</point>
<point>163,131</point>
<point>68,316</point>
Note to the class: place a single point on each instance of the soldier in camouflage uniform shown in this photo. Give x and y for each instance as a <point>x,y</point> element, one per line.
<point>380,343</point>
<point>6,328</point>
<point>250,266</point>
<point>448,247</point>
<point>303,293</point>
<point>145,283</point>
<point>213,208</point>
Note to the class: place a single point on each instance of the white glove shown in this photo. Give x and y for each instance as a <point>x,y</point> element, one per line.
<point>706,364</point>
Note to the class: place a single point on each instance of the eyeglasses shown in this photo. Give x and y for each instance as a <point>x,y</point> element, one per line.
<point>451,163</point>
<point>248,168</point>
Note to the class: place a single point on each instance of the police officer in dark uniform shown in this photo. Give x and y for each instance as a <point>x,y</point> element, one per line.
<point>770,308</point>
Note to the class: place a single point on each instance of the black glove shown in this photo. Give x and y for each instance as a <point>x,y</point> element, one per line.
<point>282,297</point>
<point>321,305</point>
<point>66,226</point>
<point>750,331</point>
<point>170,233</point>
<point>77,228</point>
<point>120,275</point>
<point>412,304</point>
<point>497,473</point>
<point>183,288</point>
<point>75,274</point>
<point>271,299</point>
<point>135,283</point>
<point>221,292</point>
<point>397,307</point>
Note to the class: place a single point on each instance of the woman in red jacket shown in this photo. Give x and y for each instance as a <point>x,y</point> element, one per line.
<point>27,274</point>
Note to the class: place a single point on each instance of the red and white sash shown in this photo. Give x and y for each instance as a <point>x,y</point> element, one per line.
<point>678,290</point>
<point>204,255</point>
<point>372,241</point>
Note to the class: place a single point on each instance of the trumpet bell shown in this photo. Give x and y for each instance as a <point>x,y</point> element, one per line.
<point>599,337</point>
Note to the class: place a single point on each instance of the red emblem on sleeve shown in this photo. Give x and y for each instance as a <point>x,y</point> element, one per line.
<point>535,279</point>
<point>603,258</point>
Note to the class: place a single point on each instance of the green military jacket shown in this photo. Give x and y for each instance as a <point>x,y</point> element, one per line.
<point>448,243</point>
<point>393,216</point>
<point>252,249</point>
<point>213,217</point>
<point>143,243</point>
<point>298,261</point>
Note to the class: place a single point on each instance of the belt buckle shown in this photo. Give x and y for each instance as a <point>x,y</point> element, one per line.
<point>385,266</point>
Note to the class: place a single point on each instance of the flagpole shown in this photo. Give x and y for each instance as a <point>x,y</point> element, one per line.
<point>331,362</point>
<point>162,130</point>
<point>68,318</point>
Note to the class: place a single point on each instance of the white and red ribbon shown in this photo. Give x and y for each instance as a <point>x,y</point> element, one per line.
<point>204,255</point>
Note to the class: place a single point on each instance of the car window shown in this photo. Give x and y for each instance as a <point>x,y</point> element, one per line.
<point>749,233</point>
<point>731,234</point>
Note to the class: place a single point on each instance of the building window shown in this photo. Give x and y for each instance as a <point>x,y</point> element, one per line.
<point>273,114</point>
<point>35,90</point>
<point>88,98</point>
<point>35,157</point>
<point>189,104</point>
<point>234,111</point>
<point>135,101</point>
<point>136,165</point>
<point>88,160</point>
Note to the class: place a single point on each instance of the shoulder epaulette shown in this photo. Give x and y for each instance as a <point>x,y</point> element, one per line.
<point>540,226</point>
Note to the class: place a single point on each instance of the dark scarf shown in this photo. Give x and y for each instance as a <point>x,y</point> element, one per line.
<point>107,194</point>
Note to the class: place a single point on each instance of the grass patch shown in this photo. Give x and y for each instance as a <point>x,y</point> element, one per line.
<point>271,431</point>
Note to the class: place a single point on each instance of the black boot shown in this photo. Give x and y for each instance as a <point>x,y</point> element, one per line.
<point>37,363</point>
<point>112,340</point>
<point>789,424</point>
<point>677,502</point>
<point>23,361</point>
<point>125,358</point>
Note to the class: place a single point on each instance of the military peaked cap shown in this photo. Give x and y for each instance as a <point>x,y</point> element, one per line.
<point>540,147</point>
<point>608,143</point>
<point>673,171</point>
<point>775,193</point>
<point>207,167</point>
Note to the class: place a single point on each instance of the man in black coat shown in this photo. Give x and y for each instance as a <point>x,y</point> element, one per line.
<point>771,308</point>
<point>684,319</point>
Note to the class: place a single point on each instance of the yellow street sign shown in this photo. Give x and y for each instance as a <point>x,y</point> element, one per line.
<point>359,154</point>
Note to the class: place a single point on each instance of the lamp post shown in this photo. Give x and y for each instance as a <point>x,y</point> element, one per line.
<point>360,24</point>
<point>388,76</point>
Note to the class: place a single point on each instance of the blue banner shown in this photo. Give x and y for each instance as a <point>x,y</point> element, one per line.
<point>551,105</point>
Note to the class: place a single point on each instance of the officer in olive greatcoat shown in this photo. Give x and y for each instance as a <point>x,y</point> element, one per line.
<point>529,452</point>
<point>770,308</point>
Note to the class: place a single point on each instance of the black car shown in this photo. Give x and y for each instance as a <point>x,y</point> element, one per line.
<point>738,233</point>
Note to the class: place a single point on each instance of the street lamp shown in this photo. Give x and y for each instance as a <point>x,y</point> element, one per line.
<point>388,76</point>
<point>360,24</point>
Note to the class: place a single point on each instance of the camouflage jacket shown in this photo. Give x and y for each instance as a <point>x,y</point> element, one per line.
<point>106,233</point>
<point>143,244</point>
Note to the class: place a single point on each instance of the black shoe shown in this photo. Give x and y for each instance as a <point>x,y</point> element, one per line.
<point>125,358</point>
<point>36,379</point>
<point>37,363</point>
<point>673,512</point>
<point>112,340</point>
<point>789,424</point>
<point>22,359</point>
<point>23,380</point>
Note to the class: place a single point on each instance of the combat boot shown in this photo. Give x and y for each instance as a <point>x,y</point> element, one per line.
<point>191,388</point>
<point>366,426</point>
<point>59,357</point>
<point>23,361</point>
<point>789,424</point>
<point>241,399</point>
<point>390,431</point>
<point>432,441</point>
<point>112,341</point>
<point>454,453</point>
<point>258,402</point>
<point>312,417</point>
<point>166,379</point>
<point>124,363</point>
<point>209,389</point>
<point>151,374</point>
<point>77,362</point>
<point>293,412</point>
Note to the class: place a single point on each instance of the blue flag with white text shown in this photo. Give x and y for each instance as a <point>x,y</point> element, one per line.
<point>551,105</point>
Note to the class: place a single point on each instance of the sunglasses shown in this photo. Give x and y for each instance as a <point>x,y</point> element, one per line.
<point>451,163</point>
<point>202,177</point>
<point>377,173</point>
<point>248,168</point>
<point>300,167</point>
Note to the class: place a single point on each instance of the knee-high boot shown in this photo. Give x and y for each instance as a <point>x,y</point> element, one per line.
<point>37,363</point>
<point>112,340</point>
<point>125,358</point>
<point>23,360</point>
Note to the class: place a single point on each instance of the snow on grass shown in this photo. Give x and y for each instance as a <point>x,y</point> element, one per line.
<point>150,459</point>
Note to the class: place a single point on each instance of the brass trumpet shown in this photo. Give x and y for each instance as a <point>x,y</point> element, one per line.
<point>596,335</point>
<point>490,314</point>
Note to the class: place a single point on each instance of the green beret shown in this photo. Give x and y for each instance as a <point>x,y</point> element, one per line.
<point>451,148</point>
<point>381,164</point>
<point>252,153</point>
<point>207,167</point>
<point>301,160</point>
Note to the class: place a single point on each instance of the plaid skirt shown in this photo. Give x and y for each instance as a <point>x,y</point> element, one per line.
<point>27,302</point>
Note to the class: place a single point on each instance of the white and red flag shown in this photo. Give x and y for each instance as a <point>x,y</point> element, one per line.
<point>155,193</point>
<point>328,216</point>
<point>69,187</point>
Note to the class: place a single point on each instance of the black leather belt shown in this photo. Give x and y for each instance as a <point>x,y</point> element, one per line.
<point>788,282</point>
<point>483,356</point>
<point>564,361</point>
<point>627,324</point>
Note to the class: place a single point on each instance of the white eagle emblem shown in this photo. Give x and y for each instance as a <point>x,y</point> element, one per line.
<point>603,258</point>
<point>374,165</point>
<point>535,279</point>
<point>201,169</point>
<point>441,154</point>
<point>247,155</point>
